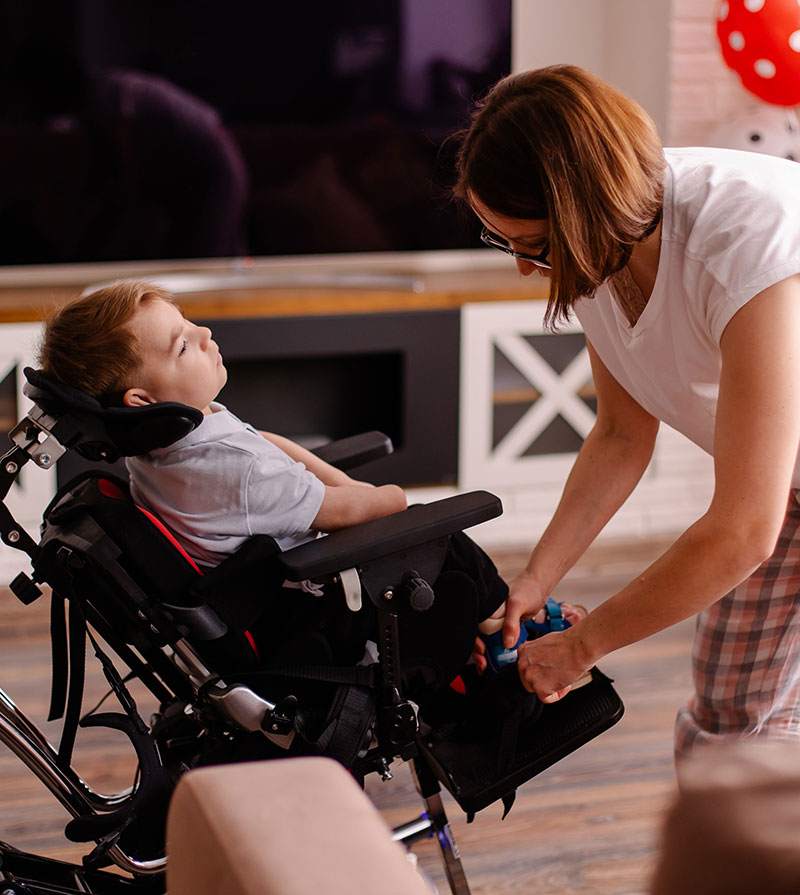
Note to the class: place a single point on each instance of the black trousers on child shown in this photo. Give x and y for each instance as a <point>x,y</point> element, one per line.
<point>298,628</point>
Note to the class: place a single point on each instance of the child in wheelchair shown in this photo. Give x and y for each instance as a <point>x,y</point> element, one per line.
<point>126,375</point>
<point>129,344</point>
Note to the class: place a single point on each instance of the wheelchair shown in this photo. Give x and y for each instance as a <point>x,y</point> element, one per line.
<point>121,583</point>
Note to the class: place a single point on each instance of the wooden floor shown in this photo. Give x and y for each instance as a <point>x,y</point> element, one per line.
<point>587,825</point>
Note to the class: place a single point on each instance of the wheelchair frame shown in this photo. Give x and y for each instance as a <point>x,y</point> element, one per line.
<point>370,561</point>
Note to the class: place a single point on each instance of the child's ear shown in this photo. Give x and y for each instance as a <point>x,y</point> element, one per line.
<point>137,397</point>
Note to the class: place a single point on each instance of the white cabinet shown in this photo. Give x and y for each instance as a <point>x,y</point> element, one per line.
<point>525,404</point>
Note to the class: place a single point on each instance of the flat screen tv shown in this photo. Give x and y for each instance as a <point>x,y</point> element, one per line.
<point>183,129</point>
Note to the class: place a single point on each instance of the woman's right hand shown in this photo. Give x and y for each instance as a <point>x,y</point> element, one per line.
<point>525,599</point>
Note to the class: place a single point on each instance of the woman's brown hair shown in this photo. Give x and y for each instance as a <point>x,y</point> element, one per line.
<point>560,144</point>
<point>88,343</point>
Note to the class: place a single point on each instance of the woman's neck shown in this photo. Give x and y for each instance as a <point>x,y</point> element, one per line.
<point>643,263</point>
<point>633,285</point>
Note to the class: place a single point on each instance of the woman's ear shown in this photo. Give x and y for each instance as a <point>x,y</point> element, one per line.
<point>137,397</point>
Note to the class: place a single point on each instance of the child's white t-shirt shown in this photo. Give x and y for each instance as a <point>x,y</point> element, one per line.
<point>223,483</point>
<point>731,228</point>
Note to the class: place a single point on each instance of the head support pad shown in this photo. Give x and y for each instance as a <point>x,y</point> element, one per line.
<point>107,433</point>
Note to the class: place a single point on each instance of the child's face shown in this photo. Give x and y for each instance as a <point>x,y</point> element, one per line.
<point>181,362</point>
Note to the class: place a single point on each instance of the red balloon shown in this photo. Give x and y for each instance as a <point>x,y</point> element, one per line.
<point>760,41</point>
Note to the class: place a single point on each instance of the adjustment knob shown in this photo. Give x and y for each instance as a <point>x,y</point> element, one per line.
<point>419,592</point>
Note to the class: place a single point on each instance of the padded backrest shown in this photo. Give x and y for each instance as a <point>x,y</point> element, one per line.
<point>110,489</point>
<point>148,554</point>
<point>94,515</point>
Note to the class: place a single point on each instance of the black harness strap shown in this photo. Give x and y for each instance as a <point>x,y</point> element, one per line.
<point>344,736</point>
<point>62,657</point>
<point>78,632</point>
<point>77,677</point>
<point>58,657</point>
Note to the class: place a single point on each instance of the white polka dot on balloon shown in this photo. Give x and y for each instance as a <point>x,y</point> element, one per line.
<point>736,40</point>
<point>794,40</point>
<point>724,9</point>
<point>764,68</point>
<point>753,5</point>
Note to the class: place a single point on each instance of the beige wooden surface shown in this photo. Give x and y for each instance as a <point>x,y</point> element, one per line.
<point>430,291</point>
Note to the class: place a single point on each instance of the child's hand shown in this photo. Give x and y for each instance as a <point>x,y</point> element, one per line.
<point>479,655</point>
<point>487,626</point>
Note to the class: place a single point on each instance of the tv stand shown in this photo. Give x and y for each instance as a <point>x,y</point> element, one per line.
<point>276,286</point>
<point>191,283</point>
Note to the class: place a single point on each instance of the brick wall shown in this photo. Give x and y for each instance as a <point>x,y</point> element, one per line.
<point>703,90</point>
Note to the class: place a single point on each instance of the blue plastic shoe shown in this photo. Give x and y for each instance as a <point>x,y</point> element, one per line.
<point>498,656</point>
<point>553,620</point>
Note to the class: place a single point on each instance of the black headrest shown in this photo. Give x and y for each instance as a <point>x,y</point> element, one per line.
<point>107,433</point>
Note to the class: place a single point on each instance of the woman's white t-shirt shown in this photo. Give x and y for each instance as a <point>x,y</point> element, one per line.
<point>731,228</point>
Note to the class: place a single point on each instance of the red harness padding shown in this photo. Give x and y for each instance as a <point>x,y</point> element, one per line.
<point>111,490</point>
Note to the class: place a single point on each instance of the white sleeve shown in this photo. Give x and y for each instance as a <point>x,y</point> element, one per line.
<point>282,498</point>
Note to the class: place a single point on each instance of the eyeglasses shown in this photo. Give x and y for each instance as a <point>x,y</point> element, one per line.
<point>497,242</point>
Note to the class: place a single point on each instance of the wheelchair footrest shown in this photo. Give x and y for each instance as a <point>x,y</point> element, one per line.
<point>468,766</point>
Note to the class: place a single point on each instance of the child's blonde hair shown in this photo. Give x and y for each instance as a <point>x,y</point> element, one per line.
<point>89,345</point>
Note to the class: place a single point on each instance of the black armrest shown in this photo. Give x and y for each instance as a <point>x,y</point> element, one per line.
<point>347,453</point>
<point>418,524</point>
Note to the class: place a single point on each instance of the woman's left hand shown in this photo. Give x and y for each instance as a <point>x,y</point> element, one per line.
<point>550,664</point>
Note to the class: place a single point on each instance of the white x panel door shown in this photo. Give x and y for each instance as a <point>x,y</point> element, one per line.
<point>489,457</point>
<point>558,394</point>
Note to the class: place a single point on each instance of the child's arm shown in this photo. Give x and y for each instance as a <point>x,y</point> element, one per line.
<point>345,505</point>
<point>327,474</point>
<point>346,501</point>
